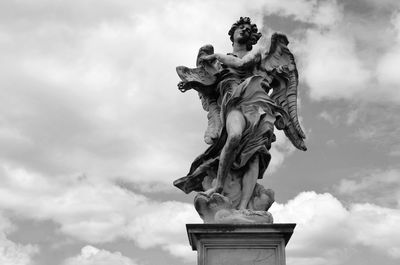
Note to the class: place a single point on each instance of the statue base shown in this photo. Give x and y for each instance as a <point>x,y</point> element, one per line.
<point>231,244</point>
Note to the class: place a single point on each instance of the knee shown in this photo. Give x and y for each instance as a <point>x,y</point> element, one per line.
<point>234,140</point>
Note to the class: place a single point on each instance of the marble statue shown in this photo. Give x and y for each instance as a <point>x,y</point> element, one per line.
<point>246,94</point>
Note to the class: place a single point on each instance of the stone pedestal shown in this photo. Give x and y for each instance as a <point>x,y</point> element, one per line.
<point>240,244</point>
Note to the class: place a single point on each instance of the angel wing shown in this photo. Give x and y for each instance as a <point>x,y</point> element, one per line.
<point>280,64</point>
<point>203,79</point>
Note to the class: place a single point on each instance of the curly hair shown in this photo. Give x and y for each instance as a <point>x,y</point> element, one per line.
<point>254,36</point>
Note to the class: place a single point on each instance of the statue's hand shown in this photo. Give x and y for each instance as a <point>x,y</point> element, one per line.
<point>207,58</point>
<point>182,87</point>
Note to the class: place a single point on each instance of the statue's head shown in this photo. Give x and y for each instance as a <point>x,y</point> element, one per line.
<point>244,32</point>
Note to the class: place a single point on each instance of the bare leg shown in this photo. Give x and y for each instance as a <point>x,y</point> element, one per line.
<point>249,182</point>
<point>235,124</point>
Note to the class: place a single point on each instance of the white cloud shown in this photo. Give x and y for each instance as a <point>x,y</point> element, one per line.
<point>386,69</point>
<point>367,133</point>
<point>331,143</point>
<point>327,13</point>
<point>328,54</point>
<point>317,215</point>
<point>332,68</point>
<point>97,211</point>
<point>377,124</point>
<point>326,229</point>
<point>12,253</point>
<point>339,55</point>
<point>395,151</point>
<point>16,254</point>
<point>328,117</point>
<point>380,187</point>
<point>87,210</point>
<point>93,256</point>
<point>300,9</point>
<point>322,13</point>
<point>89,101</point>
<point>164,225</point>
<point>103,95</point>
<point>280,149</point>
<point>91,91</point>
<point>352,116</point>
<point>389,4</point>
<point>372,221</point>
<point>102,212</point>
<point>89,88</point>
<point>96,87</point>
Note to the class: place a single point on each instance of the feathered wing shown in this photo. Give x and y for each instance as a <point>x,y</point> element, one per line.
<point>203,79</point>
<point>280,64</point>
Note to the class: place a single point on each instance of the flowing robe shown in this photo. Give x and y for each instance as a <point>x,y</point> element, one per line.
<point>247,92</point>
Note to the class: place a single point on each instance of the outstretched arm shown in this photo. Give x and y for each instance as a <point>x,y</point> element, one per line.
<point>235,62</point>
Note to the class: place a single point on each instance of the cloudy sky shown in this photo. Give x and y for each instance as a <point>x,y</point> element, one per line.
<point>93,129</point>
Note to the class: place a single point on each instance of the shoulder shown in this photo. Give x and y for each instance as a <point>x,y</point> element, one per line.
<point>258,52</point>
<point>254,56</point>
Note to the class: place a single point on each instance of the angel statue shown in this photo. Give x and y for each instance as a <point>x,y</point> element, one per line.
<point>246,94</point>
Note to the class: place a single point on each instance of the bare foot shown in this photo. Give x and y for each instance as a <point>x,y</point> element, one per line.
<point>243,205</point>
<point>211,191</point>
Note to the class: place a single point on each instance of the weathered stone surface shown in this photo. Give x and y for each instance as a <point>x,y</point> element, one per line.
<point>240,244</point>
<point>220,209</point>
<point>246,94</point>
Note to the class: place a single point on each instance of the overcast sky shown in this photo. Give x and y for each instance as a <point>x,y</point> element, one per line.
<point>93,129</point>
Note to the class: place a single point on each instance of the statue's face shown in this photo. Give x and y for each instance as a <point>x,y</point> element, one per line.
<point>242,33</point>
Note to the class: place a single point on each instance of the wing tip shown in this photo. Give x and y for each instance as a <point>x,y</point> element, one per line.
<point>303,146</point>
